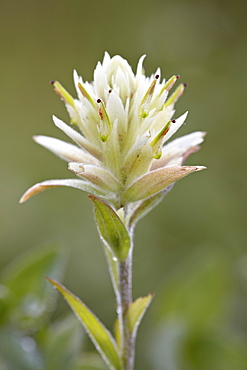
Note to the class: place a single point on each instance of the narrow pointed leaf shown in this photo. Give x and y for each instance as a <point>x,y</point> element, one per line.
<point>136,311</point>
<point>157,180</point>
<point>117,333</point>
<point>100,336</point>
<point>111,229</point>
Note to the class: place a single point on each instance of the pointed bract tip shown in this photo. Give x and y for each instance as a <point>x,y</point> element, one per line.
<point>200,168</point>
<point>76,167</point>
<point>55,284</point>
<point>28,194</point>
<point>93,198</point>
<point>48,278</point>
<point>22,200</point>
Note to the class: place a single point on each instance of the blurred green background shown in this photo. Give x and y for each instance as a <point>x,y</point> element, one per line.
<point>191,250</point>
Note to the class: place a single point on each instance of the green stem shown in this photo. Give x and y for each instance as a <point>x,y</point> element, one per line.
<point>125,295</point>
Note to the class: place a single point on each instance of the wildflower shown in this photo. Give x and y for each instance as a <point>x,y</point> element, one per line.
<point>121,123</point>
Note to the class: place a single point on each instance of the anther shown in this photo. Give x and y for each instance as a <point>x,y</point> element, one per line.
<point>98,100</point>
<point>185,84</point>
<point>52,82</point>
<point>178,77</point>
<point>173,121</point>
<point>157,76</point>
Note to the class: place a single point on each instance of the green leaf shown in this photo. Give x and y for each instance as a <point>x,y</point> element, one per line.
<point>19,351</point>
<point>172,345</point>
<point>29,300</point>
<point>117,333</point>
<point>136,311</point>
<point>111,229</point>
<point>100,336</point>
<point>90,361</point>
<point>63,343</point>
<point>197,292</point>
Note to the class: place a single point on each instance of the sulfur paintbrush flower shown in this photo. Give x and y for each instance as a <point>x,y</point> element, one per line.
<point>121,123</point>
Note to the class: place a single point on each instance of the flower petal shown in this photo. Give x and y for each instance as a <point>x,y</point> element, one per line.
<point>157,180</point>
<point>140,68</point>
<point>66,151</point>
<point>175,126</point>
<point>138,160</point>
<point>178,150</point>
<point>74,183</point>
<point>97,175</point>
<point>77,138</point>
<point>116,111</point>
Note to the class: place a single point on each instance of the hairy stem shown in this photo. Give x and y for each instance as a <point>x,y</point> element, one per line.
<point>125,293</point>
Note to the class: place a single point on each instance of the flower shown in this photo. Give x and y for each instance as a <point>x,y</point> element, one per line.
<point>121,123</point>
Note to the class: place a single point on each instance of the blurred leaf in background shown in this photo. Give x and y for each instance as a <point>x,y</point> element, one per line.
<point>30,338</point>
<point>195,328</point>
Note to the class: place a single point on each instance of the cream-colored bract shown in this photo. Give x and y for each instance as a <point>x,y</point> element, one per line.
<point>120,124</point>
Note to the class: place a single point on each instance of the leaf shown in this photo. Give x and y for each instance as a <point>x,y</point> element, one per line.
<point>19,351</point>
<point>90,361</point>
<point>197,291</point>
<point>117,333</point>
<point>136,311</point>
<point>63,343</point>
<point>111,229</point>
<point>100,336</point>
<point>29,299</point>
<point>172,345</point>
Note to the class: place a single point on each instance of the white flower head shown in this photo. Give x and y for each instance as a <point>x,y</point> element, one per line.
<point>120,124</point>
